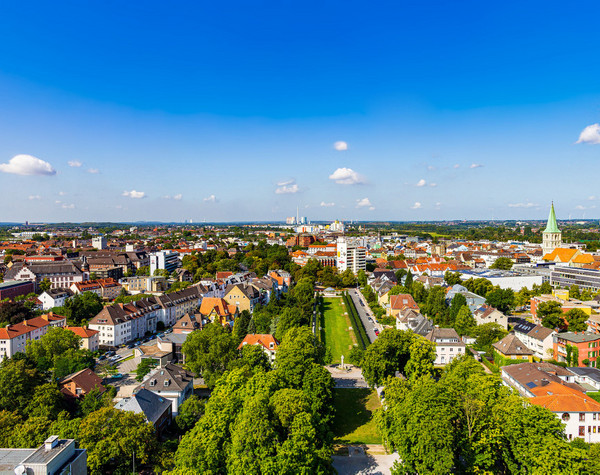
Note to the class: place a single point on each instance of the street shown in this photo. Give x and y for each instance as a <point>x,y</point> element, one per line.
<point>364,312</point>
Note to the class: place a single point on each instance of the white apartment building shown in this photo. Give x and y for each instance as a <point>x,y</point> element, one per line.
<point>448,345</point>
<point>99,242</point>
<point>168,260</point>
<point>537,338</point>
<point>350,256</point>
<point>14,338</point>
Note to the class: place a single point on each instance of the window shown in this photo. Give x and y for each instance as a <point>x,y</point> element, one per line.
<point>566,416</point>
<point>582,417</point>
<point>581,431</point>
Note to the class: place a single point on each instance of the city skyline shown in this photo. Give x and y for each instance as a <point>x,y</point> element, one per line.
<point>349,112</point>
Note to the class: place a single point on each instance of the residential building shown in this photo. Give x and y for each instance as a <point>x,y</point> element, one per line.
<point>587,344</point>
<point>536,337</point>
<point>243,296</point>
<point>401,302</point>
<point>448,345</point>
<point>350,256</point>
<point>474,301</point>
<point>188,323</point>
<point>108,289</point>
<point>156,409</point>
<point>525,377</point>
<point>54,298</point>
<point>15,288</point>
<point>61,274</point>
<point>588,378</point>
<point>167,260</point>
<point>171,382</point>
<point>143,284</point>
<point>579,413</point>
<point>562,297</point>
<point>90,339</point>
<point>99,242</point>
<point>268,343</point>
<point>56,457</point>
<point>81,383</point>
<point>409,319</point>
<point>218,310</point>
<point>510,347</point>
<point>486,314</point>
<point>14,338</point>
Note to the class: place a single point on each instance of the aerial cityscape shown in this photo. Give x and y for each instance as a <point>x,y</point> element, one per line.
<point>309,238</point>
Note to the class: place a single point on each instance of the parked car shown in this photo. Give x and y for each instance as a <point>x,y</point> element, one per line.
<point>376,332</point>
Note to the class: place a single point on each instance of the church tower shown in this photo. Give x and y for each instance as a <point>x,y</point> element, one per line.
<point>552,237</point>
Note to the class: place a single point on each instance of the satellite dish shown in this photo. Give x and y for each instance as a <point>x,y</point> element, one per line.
<point>20,470</point>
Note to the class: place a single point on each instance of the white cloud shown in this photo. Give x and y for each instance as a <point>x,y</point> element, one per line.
<point>134,194</point>
<point>430,167</point>
<point>437,205</point>
<point>178,196</point>
<point>210,199</point>
<point>522,205</point>
<point>74,163</point>
<point>286,182</point>
<point>591,134</point>
<point>93,171</point>
<point>417,205</point>
<point>476,165</point>
<point>62,193</point>
<point>592,198</point>
<point>433,184</point>
<point>58,202</point>
<point>581,207</point>
<point>35,197</point>
<point>27,165</point>
<point>347,176</point>
<point>282,190</point>
<point>66,206</point>
<point>340,146</point>
<point>457,166</point>
<point>364,203</point>
<point>327,205</point>
<point>421,182</point>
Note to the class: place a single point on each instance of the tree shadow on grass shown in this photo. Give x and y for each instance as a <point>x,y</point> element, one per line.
<point>351,411</point>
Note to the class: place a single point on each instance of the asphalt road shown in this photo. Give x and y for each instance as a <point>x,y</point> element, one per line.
<point>364,313</point>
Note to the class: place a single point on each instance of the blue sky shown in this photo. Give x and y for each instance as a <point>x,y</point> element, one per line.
<point>156,111</point>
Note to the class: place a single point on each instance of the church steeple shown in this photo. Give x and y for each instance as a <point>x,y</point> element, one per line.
<point>551,237</point>
<point>552,226</point>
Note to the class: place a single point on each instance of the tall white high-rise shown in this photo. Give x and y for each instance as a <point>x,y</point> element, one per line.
<point>350,256</point>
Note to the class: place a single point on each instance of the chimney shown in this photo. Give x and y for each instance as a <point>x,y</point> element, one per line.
<point>51,442</point>
<point>545,382</point>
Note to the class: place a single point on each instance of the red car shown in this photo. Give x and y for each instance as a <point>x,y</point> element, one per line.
<point>376,332</point>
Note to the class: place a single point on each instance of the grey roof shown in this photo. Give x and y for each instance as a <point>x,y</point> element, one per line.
<point>532,374</point>
<point>511,345</point>
<point>168,378</point>
<point>13,283</point>
<point>45,268</point>
<point>444,333</point>
<point>147,403</point>
<point>177,338</point>
<point>10,458</point>
<point>578,337</point>
<point>592,373</point>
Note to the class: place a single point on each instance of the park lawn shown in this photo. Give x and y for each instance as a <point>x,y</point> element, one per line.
<point>337,335</point>
<point>354,411</point>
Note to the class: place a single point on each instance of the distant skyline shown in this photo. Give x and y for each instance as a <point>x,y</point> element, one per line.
<point>390,112</point>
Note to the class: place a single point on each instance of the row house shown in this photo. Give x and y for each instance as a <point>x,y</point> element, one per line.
<point>61,274</point>
<point>14,338</point>
<point>537,338</point>
<point>176,304</point>
<point>105,288</point>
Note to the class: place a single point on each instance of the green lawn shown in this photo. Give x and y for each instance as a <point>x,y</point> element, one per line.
<point>336,334</point>
<point>354,423</point>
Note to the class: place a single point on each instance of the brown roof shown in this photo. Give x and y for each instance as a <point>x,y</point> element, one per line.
<point>82,331</point>
<point>85,379</point>
<point>511,345</point>
<point>402,301</point>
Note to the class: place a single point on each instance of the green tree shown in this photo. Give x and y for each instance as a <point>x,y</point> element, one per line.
<point>17,383</point>
<point>144,367</point>
<point>298,350</point>
<point>435,307</point>
<point>387,354</point>
<point>487,334</point>
<point>46,401</point>
<point>190,413</point>
<point>142,271</point>
<point>576,320</point>
<point>347,278</point>
<point>503,263</point>
<point>111,438</point>
<point>551,314</point>
<point>457,302</point>
<point>209,352</point>
<point>240,328</point>
<point>356,355</point>
<point>362,278</point>
<point>422,356</point>
<point>408,281</point>
<point>502,299</point>
<point>452,278</point>
<point>574,292</point>
<point>465,322</point>
<point>45,285</point>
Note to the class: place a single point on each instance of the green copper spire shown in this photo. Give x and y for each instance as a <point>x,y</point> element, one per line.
<point>552,227</point>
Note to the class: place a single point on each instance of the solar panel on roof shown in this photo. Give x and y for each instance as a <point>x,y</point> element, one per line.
<point>531,385</point>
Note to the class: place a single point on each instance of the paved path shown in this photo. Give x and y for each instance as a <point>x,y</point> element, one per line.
<point>364,312</point>
<point>361,463</point>
<point>129,365</point>
<point>351,378</point>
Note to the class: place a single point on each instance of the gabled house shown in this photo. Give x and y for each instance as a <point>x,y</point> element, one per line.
<point>486,314</point>
<point>218,310</point>
<point>267,342</point>
<point>448,345</point>
<point>171,382</point>
<point>79,384</point>
<point>90,339</point>
<point>156,409</point>
<point>54,298</point>
<point>536,337</point>
<point>526,377</point>
<point>510,347</point>
<point>243,296</point>
<point>409,319</point>
<point>401,302</point>
<point>188,323</point>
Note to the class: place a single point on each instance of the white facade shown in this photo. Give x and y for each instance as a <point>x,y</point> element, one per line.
<point>168,260</point>
<point>350,256</point>
<point>99,242</point>
<point>49,301</point>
